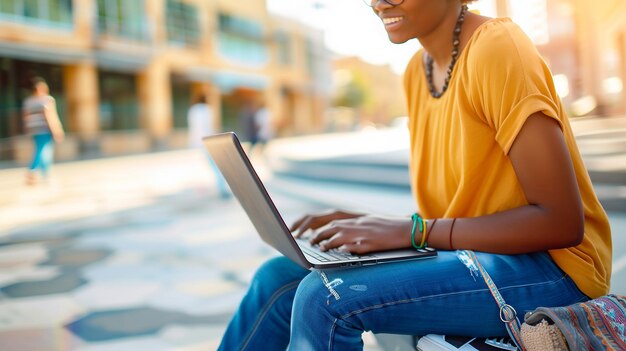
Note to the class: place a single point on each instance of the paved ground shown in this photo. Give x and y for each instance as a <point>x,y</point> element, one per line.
<point>131,253</point>
<point>138,252</point>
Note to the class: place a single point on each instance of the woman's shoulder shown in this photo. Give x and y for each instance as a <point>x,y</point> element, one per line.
<point>497,42</point>
<point>502,30</point>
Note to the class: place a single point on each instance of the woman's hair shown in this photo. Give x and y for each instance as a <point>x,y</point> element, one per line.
<point>35,81</point>
<point>200,99</point>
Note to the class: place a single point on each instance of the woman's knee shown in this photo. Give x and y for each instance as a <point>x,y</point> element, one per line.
<point>275,273</point>
<point>313,292</point>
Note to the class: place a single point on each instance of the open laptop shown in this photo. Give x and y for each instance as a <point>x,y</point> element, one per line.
<point>231,159</point>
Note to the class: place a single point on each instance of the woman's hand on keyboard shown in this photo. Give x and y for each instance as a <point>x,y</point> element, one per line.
<point>363,234</point>
<point>315,221</point>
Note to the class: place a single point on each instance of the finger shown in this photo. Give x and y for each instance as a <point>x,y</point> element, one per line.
<point>339,225</point>
<point>306,223</point>
<point>316,221</point>
<point>356,248</point>
<point>300,226</point>
<point>346,243</point>
<point>297,223</point>
<point>324,234</point>
<point>313,222</point>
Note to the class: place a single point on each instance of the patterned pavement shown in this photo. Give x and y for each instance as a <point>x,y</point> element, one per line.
<point>133,253</point>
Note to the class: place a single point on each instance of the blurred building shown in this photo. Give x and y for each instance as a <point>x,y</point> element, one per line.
<point>124,72</point>
<point>364,94</point>
<point>601,36</point>
<point>584,44</point>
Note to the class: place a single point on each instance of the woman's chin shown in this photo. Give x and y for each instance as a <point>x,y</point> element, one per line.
<point>397,39</point>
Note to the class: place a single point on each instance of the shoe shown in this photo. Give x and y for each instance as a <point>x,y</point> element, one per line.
<point>31,179</point>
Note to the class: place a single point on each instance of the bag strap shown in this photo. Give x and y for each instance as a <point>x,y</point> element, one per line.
<point>508,315</point>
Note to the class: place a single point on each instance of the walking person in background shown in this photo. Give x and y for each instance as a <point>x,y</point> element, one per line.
<point>41,121</point>
<point>247,118</point>
<point>264,129</point>
<point>494,168</point>
<point>200,124</point>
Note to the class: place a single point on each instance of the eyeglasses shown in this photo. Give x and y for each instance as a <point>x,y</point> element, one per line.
<point>372,3</point>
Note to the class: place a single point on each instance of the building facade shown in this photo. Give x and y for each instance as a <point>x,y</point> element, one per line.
<point>364,95</point>
<point>584,44</point>
<point>124,72</point>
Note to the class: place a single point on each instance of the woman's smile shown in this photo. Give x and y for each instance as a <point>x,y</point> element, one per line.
<point>391,22</point>
<point>393,25</point>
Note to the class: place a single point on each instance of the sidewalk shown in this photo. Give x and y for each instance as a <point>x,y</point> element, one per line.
<point>131,253</point>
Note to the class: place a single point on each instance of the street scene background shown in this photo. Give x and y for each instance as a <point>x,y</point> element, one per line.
<point>130,245</point>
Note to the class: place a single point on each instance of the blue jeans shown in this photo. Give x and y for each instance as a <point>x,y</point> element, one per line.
<point>288,307</point>
<point>43,154</point>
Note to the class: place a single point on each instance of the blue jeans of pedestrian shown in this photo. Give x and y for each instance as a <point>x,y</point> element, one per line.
<point>288,307</point>
<point>43,154</point>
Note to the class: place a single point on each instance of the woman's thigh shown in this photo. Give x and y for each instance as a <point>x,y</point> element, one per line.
<point>439,295</point>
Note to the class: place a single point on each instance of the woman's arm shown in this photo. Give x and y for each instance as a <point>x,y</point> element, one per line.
<point>553,218</point>
<point>52,117</point>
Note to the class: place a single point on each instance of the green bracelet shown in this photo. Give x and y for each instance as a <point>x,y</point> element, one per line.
<point>416,219</point>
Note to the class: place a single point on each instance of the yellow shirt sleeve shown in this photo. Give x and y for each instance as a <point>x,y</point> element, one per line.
<point>511,82</point>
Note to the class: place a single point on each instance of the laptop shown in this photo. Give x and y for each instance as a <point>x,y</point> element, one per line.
<point>231,159</point>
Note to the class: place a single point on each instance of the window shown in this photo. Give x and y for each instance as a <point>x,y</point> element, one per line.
<point>56,13</point>
<point>311,57</point>
<point>242,40</point>
<point>283,44</point>
<point>119,109</point>
<point>181,101</point>
<point>124,18</point>
<point>182,23</point>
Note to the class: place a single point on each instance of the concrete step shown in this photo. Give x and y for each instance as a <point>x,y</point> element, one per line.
<point>349,196</point>
<point>358,169</point>
<point>380,159</point>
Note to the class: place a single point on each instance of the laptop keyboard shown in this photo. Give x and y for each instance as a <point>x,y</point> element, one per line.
<point>333,255</point>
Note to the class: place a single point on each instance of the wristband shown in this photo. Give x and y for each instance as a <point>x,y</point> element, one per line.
<point>422,226</point>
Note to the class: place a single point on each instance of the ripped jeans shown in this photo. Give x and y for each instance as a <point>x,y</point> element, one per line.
<point>288,307</point>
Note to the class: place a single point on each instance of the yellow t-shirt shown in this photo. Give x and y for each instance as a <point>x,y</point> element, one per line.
<point>460,142</point>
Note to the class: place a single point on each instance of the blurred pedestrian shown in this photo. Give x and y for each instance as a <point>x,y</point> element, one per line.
<point>264,129</point>
<point>248,123</point>
<point>200,124</point>
<point>494,168</point>
<point>41,121</point>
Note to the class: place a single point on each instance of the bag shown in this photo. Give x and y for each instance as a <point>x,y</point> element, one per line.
<point>598,324</point>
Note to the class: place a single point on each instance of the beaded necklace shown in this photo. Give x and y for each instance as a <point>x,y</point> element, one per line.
<point>455,55</point>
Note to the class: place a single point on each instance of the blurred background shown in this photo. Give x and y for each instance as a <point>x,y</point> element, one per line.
<point>129,246</point>
<point>125,72</point>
